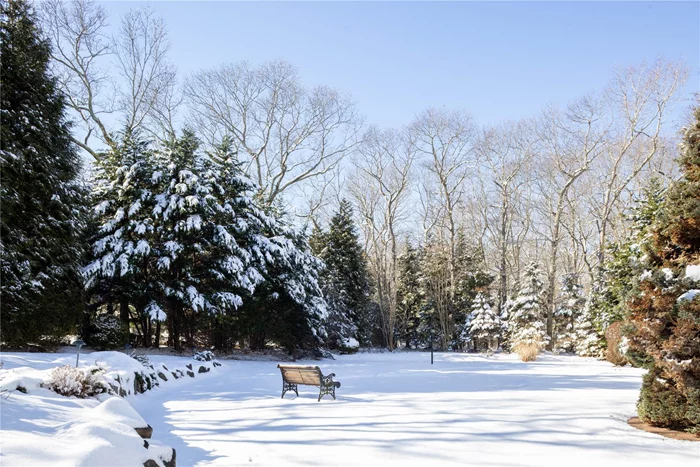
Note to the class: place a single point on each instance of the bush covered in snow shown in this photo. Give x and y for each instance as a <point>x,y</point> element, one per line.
<point>349,345</point>
<point>79,382</point>
<point>106,333</point>
<point>142,359</point>
<point>204,356</point>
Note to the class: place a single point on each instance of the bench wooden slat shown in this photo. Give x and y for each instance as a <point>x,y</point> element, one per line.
<point>310,376</point>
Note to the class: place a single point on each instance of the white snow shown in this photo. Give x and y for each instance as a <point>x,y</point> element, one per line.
<point>118,410</point>
<point>392,409</point>
<point>351,343</point>
<point>397,409</point>
<point>692,272</point>
<point>40,427</point>
<point>689,295</point>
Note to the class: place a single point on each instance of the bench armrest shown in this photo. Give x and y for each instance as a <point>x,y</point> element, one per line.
<point>328,379</point>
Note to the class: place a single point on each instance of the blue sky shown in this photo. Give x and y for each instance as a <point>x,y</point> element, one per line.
<point>498,60</point>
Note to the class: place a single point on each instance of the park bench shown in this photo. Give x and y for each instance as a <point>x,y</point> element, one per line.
<point>293,375</point>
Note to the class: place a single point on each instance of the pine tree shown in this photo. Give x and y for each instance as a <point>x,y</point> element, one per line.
<point>484,323</point>
<point>409,296</point>
<point>505,340</point>
<point>345,278</point>
<point>588,341</point>
<point>617,280</point>
<point>119,268</point>
<point>43,204</point>
<point>470,277</point>
<point>665,314</point>
<point>527,314</point>
<point>237,248</point>
<point>571,301</point>
<point>288,306</point>
<point>210,250</point>
<point>618,277</point>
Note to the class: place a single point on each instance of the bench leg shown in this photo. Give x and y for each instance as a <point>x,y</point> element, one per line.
<point>289,387</point>
<point>323,390</point>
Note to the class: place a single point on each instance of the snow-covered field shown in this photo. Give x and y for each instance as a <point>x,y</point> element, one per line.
<point>397,409</point>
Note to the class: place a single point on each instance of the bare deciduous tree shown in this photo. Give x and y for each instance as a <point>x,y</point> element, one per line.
<point>640,96</point>
<point>571,141</point>
<point>380,188</point>
<point>286,133</point>
<point>444,140</point>
<point>508,151</point>
<point>142,97</point>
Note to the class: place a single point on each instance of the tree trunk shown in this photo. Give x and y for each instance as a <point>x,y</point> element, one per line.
<point>124,315</point>
<point>157,336</point>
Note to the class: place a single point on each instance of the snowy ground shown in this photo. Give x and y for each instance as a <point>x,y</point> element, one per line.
<point>397,409</point>
<point>40,427</point>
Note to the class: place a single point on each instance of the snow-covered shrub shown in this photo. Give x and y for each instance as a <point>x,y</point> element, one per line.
<point>107,332</point>
<point>204,356</point>
<point>527,351</point>
<point>142,359</point>
<point>79,382</point>
<point>349,345</point>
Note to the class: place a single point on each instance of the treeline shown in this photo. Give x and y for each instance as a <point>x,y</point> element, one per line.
<point>556,189</point>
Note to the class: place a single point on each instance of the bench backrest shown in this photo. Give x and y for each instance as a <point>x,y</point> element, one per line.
<point>308,375</point>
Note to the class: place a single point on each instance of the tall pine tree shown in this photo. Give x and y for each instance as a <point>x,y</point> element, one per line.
<point>43,205</point>
<point>345,278</point>
<point>571,303</point>
<point>470,279</point>
<point>410,297</point>
<point>665,314</point>
<point>288,306</point>
<point>120,270</point>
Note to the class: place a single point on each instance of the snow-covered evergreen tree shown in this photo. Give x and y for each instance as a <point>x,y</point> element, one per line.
<point>484,324</point>
<point>288,306</point>
<point>618,278</point>
<point>409,297</point>
<point>344,278</point>
<point>505,340</point>
<point>588,342</point>
<point>571,303</point>
<point>470,278</point>
<point>527,314</point>
<point>43,205</point>
<point>209,243</point>
<point>665,312</point>
<point>119,268</point>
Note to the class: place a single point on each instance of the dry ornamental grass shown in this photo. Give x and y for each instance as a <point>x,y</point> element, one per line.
<point>527,352</point>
